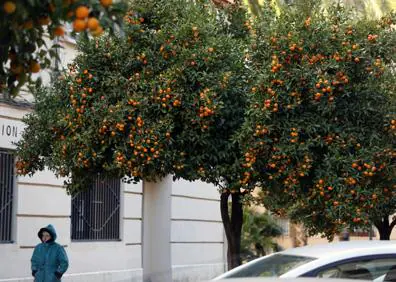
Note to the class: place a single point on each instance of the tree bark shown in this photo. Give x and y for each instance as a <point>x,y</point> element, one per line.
<point>232,226</point>
<point>385,228</point>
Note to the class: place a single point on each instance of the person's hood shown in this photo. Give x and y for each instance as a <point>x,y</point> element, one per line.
<point>50,229</point>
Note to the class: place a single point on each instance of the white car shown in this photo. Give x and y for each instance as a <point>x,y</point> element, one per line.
<point>299,279</point>
<point>364,260</point>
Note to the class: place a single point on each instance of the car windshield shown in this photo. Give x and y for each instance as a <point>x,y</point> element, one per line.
<point>272,266</point>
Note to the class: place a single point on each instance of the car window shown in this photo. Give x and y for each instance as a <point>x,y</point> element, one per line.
<point>366,269</point>
<point>271,266</point>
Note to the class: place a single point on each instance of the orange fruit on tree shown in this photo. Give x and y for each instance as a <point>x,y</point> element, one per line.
<point>97,32</point>
<point>82,12</point>
<point>16,68</point>
<point>59,31</point>
<point>28,24</point>
<point>9,7</point>
<point>93,23</point>
<point>34,67</point>
<point>79,25</point>
<point>44,20</point>
<point>106,3</point>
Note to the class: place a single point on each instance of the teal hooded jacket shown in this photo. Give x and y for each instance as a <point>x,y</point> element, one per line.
<point>49,260</point>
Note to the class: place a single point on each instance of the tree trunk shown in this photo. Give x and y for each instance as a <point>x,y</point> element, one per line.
<point>385,228</point>
<point>384,235</point>
<point>232,226</point>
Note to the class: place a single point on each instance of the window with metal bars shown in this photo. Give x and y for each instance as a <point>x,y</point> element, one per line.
<point>95,213</point>
<point>6,195</point>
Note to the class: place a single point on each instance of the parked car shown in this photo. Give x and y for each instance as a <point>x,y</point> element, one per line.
<point>298,279</point>
<point>364,260</point>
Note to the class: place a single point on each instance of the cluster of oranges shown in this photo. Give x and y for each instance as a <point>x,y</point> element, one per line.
<point>145,148</point>
<point>80,93</point>
<point>22,167</point>
<point>323,188</point>
<point>144,142</point>
<point>392,126</point>
<point>293,135</point>
<point>207,108</point>
<point>260,130</point>
<point>275,65</point>
<point>369,171</point>
<point>304,167</point>
<point>167,99</point>
<point>277,164</point>
<point>83,22</point>
<point>280,162</point>
<point>130,18</point>
<point>17,67</point>
<point>144,145</point>
<point>32,21</point>
<point>250,159</point>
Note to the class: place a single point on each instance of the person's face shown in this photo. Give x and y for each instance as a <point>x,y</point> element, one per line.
<point>45,237</point>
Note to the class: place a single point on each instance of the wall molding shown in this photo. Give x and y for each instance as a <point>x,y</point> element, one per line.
<point>197,220</point>
<point>133,244</point>
<point>197,242</point>
<point>42,215</point>
<point>132,218</point>
<point>10,118</point>
<point>195,198</point>
<point>133,193</point>
<point>41,185</point>
<point>32,247</point>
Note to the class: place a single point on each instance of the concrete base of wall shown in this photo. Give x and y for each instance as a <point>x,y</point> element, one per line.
<point>196,272</point>
<point>180,273</point>
<point>130,275</point>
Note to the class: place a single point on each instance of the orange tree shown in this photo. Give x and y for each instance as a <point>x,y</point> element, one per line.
<point>164,99</point>
<point>320,131</point>
<point>24,25</point>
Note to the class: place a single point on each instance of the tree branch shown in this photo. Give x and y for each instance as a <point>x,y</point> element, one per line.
<point>393,223</point>
<point>378,225</point>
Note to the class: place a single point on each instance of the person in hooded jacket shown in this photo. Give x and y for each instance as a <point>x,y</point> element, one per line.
<point>49,260</point>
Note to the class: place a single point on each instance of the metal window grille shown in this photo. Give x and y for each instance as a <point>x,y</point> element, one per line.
<point>6,195</point>
<point>95,213</point>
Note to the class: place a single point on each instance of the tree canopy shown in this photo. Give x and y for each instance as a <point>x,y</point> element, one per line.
<point>319,135</point>
<point>164,99</point>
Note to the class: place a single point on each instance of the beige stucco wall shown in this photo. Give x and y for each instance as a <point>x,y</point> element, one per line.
<point>197,229</point>
<point>286,241</point>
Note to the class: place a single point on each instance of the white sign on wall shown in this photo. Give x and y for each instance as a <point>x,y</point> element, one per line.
<point>10,132</point>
